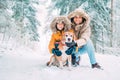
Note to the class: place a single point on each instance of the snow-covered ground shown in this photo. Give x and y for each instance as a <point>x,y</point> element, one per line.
<point>22,63</point>
<point>25,64</point>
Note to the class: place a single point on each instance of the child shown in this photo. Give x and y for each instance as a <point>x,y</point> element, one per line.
<point>58,26</point>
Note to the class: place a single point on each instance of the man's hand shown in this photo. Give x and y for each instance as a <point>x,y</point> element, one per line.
<point>80,42</point>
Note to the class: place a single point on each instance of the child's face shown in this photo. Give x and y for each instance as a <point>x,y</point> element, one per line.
<point>60,26</point>
<point>77,20</point>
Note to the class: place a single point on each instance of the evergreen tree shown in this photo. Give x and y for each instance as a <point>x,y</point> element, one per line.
<point>18,21</point>
<point>24,15</point>
<point>6,23</point>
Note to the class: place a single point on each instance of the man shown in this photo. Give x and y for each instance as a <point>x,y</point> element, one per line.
<point>80,24</point>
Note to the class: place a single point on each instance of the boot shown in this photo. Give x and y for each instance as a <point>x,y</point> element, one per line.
<point>78,62</point>
<point>74,62</point>
<point>73,59</point>
<point>96,65</point>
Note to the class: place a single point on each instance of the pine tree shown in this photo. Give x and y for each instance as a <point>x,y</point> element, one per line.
<point>24,15</point>
<point>18,21</point>
<point>6,23</point>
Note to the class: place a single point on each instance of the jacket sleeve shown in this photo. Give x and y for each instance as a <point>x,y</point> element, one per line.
<point>51,43</point>
<point>85,36</point>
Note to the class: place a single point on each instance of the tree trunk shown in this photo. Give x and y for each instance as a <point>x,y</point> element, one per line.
<point>111,40</point>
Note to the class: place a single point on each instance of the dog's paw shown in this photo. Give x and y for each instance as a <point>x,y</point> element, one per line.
<point>61,67</point>
<point>48,64</point>
<point>69,69</point>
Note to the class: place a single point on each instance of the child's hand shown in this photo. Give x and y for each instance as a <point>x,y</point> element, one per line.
<point>56,52</point>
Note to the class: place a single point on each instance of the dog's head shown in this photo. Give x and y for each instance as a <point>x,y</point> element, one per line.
<point>68,37</point>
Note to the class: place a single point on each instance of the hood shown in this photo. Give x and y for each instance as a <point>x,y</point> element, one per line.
<point>58,20</point>
<point>82,13</point>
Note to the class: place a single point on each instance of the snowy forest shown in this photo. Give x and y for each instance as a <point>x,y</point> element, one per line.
<point>21,21</point>
<point>25,34</point>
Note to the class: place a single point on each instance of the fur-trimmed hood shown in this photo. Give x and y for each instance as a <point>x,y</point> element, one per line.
<point>60,19</point>
<point>82,13</point>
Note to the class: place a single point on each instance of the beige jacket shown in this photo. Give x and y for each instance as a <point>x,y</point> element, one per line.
<point>83,30</point>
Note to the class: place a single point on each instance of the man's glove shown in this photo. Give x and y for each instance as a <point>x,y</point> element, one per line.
<point>70,50</point>
<point>56,51</point>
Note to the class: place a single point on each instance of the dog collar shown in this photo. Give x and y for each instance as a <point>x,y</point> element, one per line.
<point>70,44</point>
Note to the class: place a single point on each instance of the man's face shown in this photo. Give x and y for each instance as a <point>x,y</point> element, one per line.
<point>77,20</point>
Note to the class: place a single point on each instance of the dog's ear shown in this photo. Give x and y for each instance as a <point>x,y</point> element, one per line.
<point>63,37</point>
<point>74,37</point>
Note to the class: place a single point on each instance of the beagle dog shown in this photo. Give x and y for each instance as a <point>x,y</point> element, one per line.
<point>68,40</point>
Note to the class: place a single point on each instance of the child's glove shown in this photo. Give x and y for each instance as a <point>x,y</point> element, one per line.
<point>56,51</point>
